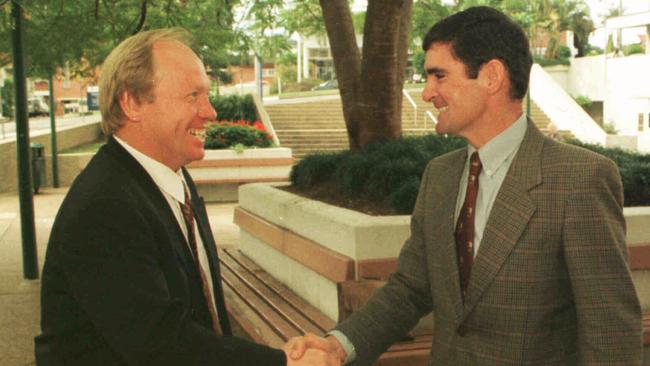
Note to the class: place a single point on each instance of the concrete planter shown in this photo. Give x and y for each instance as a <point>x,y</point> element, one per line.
<point>312,247</point>
<point>221,172</point>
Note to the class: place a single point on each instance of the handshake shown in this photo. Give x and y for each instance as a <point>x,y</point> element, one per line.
<point>311,349</point>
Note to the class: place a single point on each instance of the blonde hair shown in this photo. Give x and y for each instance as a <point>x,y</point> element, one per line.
<point>129,68</point>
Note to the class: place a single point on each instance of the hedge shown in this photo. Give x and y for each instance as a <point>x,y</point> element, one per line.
<point>225,134</point>
<point>390,172</point>
<point>234,107</point>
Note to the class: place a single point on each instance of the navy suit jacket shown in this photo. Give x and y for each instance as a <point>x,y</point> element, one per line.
<point>119,284</point>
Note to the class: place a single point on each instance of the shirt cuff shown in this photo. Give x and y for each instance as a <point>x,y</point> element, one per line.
<point>348,347</point>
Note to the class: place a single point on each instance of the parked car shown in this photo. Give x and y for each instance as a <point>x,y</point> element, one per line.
<point>329,84</point>
<point>37,107</point>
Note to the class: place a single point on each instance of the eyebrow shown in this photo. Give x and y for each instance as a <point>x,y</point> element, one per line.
<point>435,70</point>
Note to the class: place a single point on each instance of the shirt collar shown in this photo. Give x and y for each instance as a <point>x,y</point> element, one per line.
<point>167,180</point>
<point>498,149</point>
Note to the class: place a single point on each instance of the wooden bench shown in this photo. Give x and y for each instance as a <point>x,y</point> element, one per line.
<point>264,310</point>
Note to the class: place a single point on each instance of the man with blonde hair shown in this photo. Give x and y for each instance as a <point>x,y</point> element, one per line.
<point>131,273</point>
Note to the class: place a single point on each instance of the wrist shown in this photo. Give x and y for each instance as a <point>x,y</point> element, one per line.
<point>338,348</point>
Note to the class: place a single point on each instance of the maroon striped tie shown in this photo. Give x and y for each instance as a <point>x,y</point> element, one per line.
<point>465,225</point>
<point>188,215</point>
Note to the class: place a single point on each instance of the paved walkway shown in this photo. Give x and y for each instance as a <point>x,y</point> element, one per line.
<point>19,298</point>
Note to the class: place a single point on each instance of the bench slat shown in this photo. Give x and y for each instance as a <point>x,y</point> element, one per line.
<point>283,308</point>
<point>309,311</point>
<point>268,314</point>
<point>254,327</point>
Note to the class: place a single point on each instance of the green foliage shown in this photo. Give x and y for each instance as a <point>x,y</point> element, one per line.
<point>403,199</point>
<point>594,51</point>
<point>552,62</point>
<point>634,168</point>
<point>609,128</point>
<point>304,85</point>
<point>306,18</point>
<point>418,62</point>
<point>610,44</point>
<point>359,21</point>
<point>564,52</point>
<point>224,135</point>
<point>234,107</point>
<point>316,168</point>
<point>633,49</point>
<point>8,98</point>
<point>388,172</point>
<point>80,34</point>
<point>583,100</point>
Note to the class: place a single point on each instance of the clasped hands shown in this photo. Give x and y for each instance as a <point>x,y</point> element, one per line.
<point>313,350</point>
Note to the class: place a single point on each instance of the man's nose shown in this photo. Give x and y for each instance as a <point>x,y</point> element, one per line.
<point>429,92</point>
<point>206,110</point>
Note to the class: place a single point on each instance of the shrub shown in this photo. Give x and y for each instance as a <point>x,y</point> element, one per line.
<point>234,107</point>
<point>583,100</point>
<point>390,172</point>
<point>224,134</point>
<point>551,62</point>
<point>315,168</point>
<point>633,49</point>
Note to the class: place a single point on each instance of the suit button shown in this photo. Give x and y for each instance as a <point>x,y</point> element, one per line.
<point>461,331</point>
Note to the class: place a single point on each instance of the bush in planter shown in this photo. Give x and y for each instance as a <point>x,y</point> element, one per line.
<point>224,134</point>
<point>234,107</point>
<point>387,172</point>
<point>390,172</point>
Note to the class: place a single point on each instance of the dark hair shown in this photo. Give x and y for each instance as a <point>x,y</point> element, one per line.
<point>480,34</point>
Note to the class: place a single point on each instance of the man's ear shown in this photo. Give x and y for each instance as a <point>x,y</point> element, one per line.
<point>494,75</point>
<point>131,107</point>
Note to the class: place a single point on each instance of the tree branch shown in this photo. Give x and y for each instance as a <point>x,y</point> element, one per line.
<point>143,17</point>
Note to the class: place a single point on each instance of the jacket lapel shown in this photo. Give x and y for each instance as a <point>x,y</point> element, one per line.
<point>157,199</point>
<point>443,222</point>
<point>509,217</point>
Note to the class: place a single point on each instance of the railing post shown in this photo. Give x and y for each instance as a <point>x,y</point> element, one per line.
<point>415,107</point>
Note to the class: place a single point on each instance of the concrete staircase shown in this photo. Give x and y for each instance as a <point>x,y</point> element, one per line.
<point>317,125</point>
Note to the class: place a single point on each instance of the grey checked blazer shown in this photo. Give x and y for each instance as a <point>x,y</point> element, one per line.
<point>550,283</point>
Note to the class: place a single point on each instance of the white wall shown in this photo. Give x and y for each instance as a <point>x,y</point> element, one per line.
<point>622,83</point>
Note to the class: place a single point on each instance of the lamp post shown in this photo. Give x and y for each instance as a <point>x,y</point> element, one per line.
<point>28,231</point>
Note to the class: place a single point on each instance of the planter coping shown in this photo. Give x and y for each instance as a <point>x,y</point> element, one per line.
<point>351,233</point>
<point>267,152</point>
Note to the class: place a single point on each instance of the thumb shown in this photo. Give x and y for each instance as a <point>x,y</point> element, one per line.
<point>297,347</point>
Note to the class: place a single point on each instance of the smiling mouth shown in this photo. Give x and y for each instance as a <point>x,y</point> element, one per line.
<point>443,109</point>
<point>198,133</point>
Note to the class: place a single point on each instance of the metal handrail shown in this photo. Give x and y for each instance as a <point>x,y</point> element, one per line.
<point>433,119</point>
<point>265,119</point>
<point>415,107</point>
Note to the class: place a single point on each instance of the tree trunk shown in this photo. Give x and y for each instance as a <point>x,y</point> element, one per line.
<point>347,62</point>
<point>370,87</point>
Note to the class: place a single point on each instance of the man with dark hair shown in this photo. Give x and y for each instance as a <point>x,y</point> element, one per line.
<point>517,242</point>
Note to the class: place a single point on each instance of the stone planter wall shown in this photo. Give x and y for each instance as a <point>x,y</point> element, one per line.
<point>220,173</point>
<point>67,137</point>
<point>311,246</point>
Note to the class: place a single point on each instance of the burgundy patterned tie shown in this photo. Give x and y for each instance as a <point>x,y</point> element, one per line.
<point>465,225</point>
<point>188,215</point>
